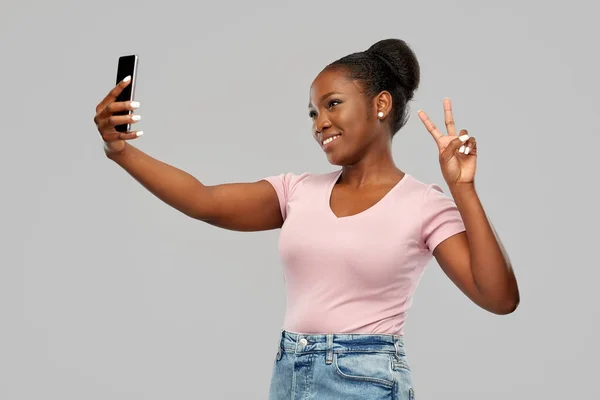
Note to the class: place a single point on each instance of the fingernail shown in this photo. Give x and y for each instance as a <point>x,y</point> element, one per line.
<point>420,111</point>
<point>127,78</point>
<point>463,138</point>
<point>139,133</point>
<point>136,117</point>
<point>467,150</point>
<point>462,149</point>
<point>135,104</point>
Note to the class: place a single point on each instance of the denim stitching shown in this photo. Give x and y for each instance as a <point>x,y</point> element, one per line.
<point>339,351</point>
<point>389,384</point>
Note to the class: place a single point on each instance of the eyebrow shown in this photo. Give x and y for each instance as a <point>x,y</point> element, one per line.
<point>326,95</point>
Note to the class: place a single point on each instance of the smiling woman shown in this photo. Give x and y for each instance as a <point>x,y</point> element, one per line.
<point>347,299</point>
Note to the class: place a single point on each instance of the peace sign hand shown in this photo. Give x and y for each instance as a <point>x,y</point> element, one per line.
<point>458,154</point>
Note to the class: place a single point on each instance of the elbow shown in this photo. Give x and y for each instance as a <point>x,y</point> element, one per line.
<point>507,307</point>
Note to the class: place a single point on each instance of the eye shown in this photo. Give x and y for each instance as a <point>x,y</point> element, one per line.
<point>333,102</point>
<point>330,104</point>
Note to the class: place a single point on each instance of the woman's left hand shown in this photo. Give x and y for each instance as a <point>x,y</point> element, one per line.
<point>458,153</point>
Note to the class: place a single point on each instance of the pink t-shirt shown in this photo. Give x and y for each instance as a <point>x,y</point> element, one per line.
<point>357,274</point>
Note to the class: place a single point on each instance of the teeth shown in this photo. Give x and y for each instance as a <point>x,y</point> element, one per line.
<point>331,139</point>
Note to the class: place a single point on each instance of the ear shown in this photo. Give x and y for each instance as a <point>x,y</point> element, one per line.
<point>383,103</point>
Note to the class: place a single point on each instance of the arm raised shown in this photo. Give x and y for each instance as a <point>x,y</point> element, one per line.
<point>252,206</point>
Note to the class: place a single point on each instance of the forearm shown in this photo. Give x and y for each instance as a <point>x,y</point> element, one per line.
<point>490,265</point>
<point>173,186</point>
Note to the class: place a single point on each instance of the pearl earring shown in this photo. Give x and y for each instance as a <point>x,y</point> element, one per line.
<point>380,114</point>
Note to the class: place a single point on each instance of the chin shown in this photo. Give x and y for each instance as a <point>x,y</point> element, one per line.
<point>338,160</point>
<point>345,158</point>
<point>333,159</point>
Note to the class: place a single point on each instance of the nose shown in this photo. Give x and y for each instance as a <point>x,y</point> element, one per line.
<point>321,123</point>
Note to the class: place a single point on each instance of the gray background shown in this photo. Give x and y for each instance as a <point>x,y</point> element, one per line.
<point>107,293</point>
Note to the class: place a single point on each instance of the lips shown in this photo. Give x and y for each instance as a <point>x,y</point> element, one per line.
<point>327,137</point>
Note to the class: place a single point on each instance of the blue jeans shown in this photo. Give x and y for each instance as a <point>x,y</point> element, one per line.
<point>341,366</point>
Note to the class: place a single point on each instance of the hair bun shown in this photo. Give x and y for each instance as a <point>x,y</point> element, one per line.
<point>402,60</point>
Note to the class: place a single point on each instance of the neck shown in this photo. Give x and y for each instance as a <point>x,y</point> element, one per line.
<point>375,167</point>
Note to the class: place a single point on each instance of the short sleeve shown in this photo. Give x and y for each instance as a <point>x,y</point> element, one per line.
<point>440,217</point>
<point>285,185</point>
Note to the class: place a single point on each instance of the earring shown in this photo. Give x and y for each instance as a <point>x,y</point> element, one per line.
<point>380,114</point>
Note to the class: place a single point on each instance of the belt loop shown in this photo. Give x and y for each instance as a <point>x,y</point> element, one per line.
<point>280,346</point>
<point>397,346</point>
<point>279,352</point>
<point>329,357</point>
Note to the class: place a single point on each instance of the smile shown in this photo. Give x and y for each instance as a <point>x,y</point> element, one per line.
<point>329,140</point>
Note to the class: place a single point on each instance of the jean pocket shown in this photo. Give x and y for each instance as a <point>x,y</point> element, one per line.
<point>365,367</point>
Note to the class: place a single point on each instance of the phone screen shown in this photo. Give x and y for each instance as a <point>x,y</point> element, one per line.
<point>127,66</point>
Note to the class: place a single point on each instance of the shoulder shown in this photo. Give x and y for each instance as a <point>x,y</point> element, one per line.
<point>428,201</point>
<point>288,183</point>
<point>424,191</point>
<point>291,185</point>
<point>293,179</point>
<point>439,216</point>
<point>418,191</point>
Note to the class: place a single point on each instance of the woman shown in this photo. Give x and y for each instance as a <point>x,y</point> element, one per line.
<point>355,241</point>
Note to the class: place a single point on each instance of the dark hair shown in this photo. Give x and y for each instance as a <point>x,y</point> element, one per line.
<point>391,65</point>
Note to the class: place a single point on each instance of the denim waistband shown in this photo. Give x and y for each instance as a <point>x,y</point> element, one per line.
<point>301,343</point>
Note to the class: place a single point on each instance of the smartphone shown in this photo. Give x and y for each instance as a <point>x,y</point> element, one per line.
<point>127,66</point>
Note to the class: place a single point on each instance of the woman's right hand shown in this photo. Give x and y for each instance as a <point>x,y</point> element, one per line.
<point>114,141</point>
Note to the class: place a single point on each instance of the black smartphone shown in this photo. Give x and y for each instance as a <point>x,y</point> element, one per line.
<point>127,66</point>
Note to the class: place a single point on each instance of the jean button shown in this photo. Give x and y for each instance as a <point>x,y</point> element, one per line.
<point>303,342</point>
